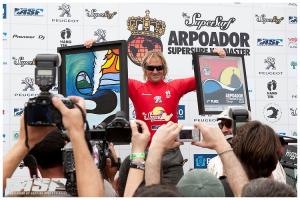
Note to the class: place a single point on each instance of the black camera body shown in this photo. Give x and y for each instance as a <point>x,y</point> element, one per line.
<point>69,169</point>
<point>117,131</point>
<point>39,111</point>
<point>240,116</point>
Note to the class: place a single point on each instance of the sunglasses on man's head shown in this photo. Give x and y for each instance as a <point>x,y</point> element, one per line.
<point>151,68</point>
<point>226,123</point>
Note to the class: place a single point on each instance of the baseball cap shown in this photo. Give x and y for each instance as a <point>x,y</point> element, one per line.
<point>224,115</point>
<point>200,183</point>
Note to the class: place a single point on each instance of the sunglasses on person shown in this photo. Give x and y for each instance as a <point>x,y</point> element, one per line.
<point>151,67</point>
<point>226,123</point>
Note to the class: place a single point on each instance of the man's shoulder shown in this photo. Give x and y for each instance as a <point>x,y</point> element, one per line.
<point>135,82</point>
<point>181,80</point>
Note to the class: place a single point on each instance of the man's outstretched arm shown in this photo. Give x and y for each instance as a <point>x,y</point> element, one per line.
<point>214,139</point>
<point>165,138</point>
<point>89,180</point>
<point>16,154</point>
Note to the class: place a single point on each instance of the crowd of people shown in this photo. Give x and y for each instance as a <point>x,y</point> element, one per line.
<point>247,166</point>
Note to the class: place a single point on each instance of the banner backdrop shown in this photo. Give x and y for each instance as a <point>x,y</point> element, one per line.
<point>264,33</point>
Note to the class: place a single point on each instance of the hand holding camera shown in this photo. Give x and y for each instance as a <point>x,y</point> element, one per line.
<point>36,135</point>
<point>189,134</point>
<point>212,138</point>
<point>139,139</point>
<point>166,136</point>
<point>71,118</point>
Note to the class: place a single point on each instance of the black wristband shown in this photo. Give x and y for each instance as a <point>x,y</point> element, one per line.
<point>137,165</point>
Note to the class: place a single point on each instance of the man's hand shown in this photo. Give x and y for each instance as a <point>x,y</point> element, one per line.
<point>109,169</point>
<point>220,51</point>
<point>87,173</point>
<point>35,133</point>
<point>72,118</point>
<point>166,136</point>
<point>89,43</point>
<point>213,138</point>
<point>13,158</point>
<point>139,140</point>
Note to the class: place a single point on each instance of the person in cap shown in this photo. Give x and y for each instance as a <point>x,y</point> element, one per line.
<point>199,183</point>
<point>225,122</point>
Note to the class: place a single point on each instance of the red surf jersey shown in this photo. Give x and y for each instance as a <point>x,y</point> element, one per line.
<point>156,103</point>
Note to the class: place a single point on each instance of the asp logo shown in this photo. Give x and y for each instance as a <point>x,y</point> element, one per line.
<point>269,42</point>
<point>29,12</point>
<point>201,160</point>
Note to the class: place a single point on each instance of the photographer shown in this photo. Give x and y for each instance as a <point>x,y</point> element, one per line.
<point>89,180</point>
<point>16,154</point>
<point>48,155</point>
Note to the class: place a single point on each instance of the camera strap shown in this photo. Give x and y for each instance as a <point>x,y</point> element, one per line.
<point>26,130</point>
<point>87,134</point>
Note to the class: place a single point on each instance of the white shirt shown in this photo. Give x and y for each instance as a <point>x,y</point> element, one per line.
<point>215,167</point>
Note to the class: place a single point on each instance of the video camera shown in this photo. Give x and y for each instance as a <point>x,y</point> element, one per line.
<point>240,116</point>
<point>117,131</point>
<point>39,111</point>
<point>237,115</point>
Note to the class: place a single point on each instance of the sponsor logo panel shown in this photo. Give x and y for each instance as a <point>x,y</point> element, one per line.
<point>38,12</point>
<point>65,13</point>
<point>23,87</point>
<point>201,160</point>
<point>262,18</point>
<point>293,19</point>
<point>195,38</point>
<point>94,14</point>
<point>145,35</point>
<point>34,37</point>
<point>181,112</point>
<point>270,66</point>
<point>272,112</point>
<point>4,11</point>
<point>292,42</point>
<point>269,42</point>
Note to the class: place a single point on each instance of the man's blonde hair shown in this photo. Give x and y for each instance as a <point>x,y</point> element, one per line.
<point>151,54</point>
